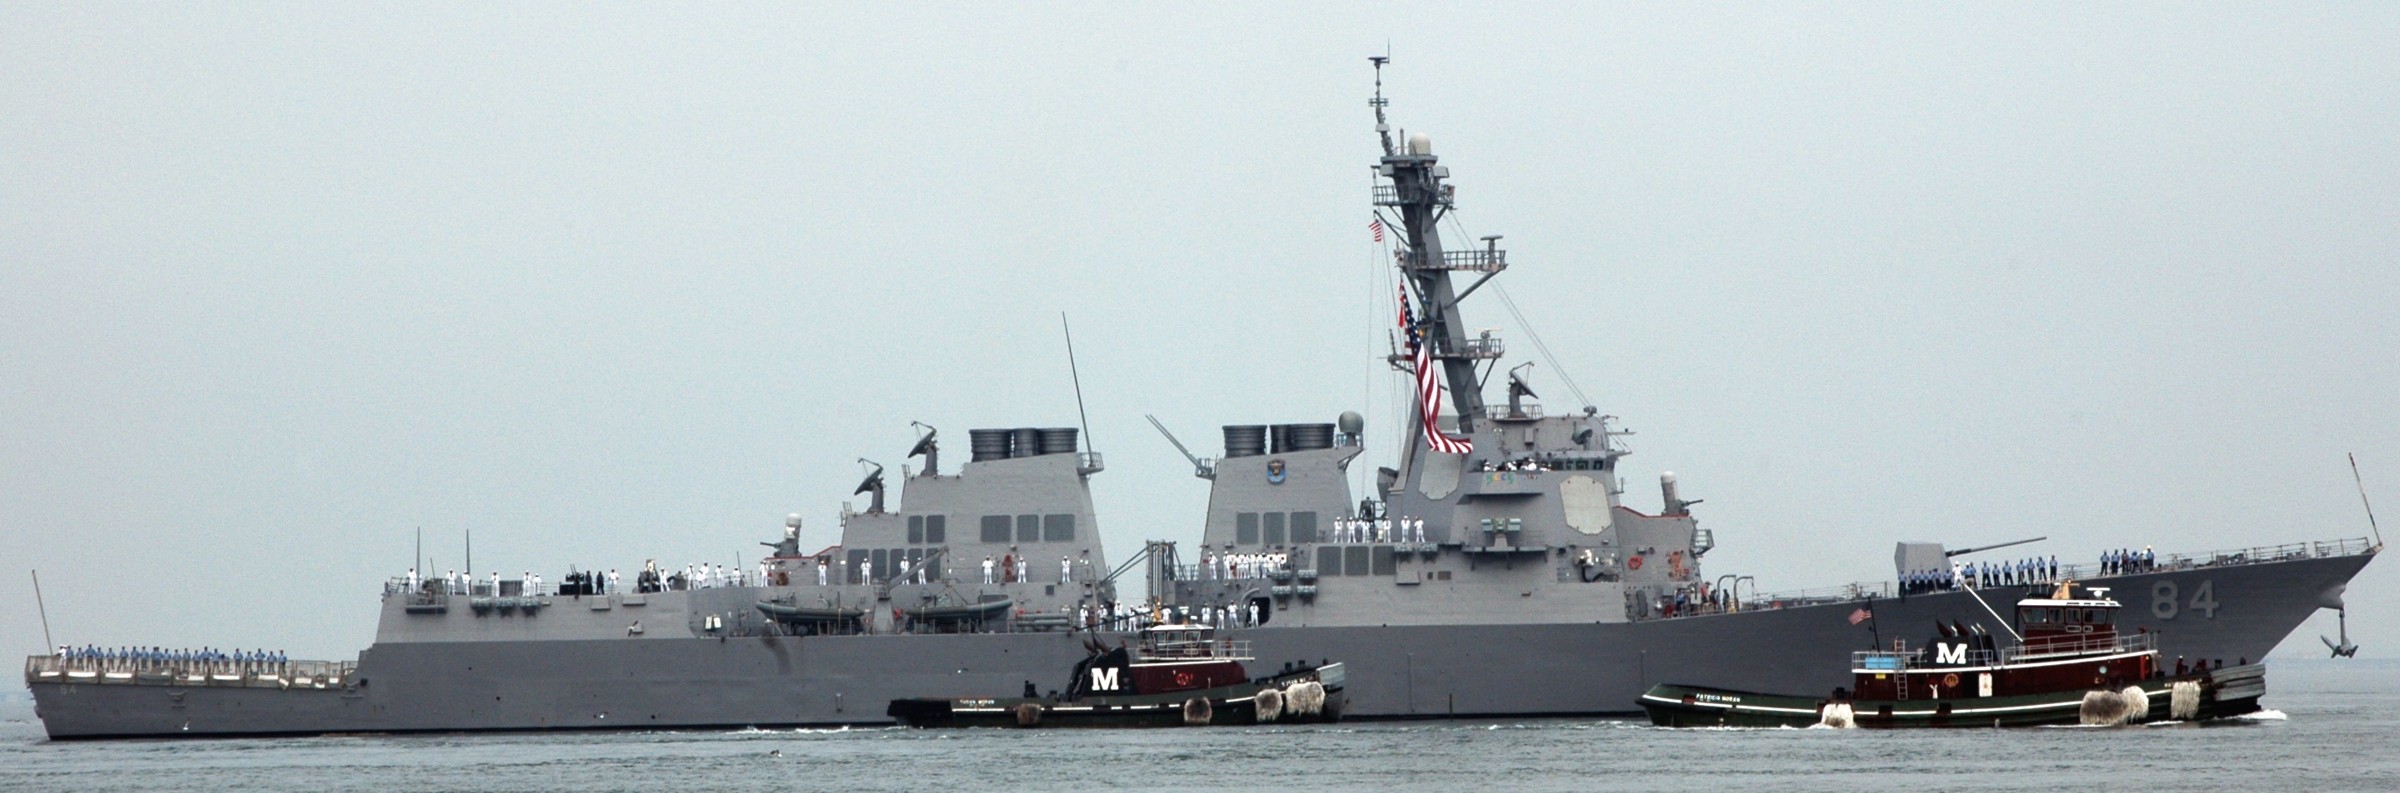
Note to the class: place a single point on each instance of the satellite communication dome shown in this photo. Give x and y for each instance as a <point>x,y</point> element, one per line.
<point>792,520</point>
<point>1420,144</point>
<point>1352,423</point>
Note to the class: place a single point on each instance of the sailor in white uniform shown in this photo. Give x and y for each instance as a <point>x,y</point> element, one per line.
<point>820,571</point>
<point>987,569</point>
<point>1066,571</point>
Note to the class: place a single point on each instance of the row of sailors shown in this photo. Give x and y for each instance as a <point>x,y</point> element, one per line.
<point>139,658</point>
<point>2128,561</point>
<point>694,576</point>
<point>1918,581</point>
<point>1220,617</point>
<point>1692,600</point>
<point>1009,570</point>
<point>2031,570</point>
<point>1234,566</point>
<point>1358,530</point>
<point>1120,617</point>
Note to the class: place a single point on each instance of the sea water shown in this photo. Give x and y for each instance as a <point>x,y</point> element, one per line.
<point>2331,725</point>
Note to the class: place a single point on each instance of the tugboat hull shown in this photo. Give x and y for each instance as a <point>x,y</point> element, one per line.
<point>2220,693</point>
<point>1221,705</point>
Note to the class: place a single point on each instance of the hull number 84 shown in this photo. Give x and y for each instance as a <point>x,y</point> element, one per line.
<point>2163,603</point>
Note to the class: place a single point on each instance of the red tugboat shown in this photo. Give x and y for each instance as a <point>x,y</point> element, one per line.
<point>2068,666</point>
<point>1180,675</point>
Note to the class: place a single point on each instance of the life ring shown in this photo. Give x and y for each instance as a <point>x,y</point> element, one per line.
<point>1634,563</point>
<point>1950,680</point>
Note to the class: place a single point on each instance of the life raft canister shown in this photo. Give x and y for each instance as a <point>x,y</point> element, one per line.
<point>1634,563</point>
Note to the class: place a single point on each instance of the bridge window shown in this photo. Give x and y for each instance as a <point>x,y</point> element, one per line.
<point>1058,528</point>
<point>1029,528</point>
<point>2095,617</point>
<point>1245,528</point>
<point>858,559</point>
<point>1329,561</point>
<point>916,529</point>
<point>1274,528</point>
<point>883,563</point>
<point>1304,528</point>
<point>1354,560</point>
<point>937,529</point>
<point>1383,560</point>
<point>995,529</point>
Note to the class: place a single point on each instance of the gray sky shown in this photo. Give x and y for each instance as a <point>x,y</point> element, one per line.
<point>281,284</point>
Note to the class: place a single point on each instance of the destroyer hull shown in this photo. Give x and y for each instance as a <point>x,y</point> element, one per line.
<point>1395,671</point>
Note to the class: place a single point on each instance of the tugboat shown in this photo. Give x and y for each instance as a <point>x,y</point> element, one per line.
<point>2068,666</point>
<point>1179,676</point>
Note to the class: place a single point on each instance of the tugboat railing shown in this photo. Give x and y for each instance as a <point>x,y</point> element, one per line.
<point>2045,648</point>
<point>1216,649</point>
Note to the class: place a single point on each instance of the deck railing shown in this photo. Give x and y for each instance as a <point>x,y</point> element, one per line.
<point>124,671</point>
<point>2082,573</point>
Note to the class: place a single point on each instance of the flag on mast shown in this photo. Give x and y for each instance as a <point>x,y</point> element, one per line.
<point>1429,386</point>
<point>1376,225</point>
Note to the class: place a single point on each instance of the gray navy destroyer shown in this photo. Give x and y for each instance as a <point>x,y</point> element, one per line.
<point>1498,569</point>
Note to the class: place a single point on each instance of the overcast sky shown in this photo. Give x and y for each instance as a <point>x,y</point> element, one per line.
<point>282,284</point>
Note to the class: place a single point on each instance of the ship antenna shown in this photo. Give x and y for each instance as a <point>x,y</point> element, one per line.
<point>1078,376</point>
<point>2362,500</point>
<point>44,608</point>
<point>1383,128</point>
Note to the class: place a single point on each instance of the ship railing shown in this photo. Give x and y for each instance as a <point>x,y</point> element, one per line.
<point>1528,410</point>
<point>1480,260</point>
<point>1386,195</point>
<point>1217,572</point>
<point>149,671</point>
<point>1860,590</point>
<point>2229,557</point>
<point>1479,348</point>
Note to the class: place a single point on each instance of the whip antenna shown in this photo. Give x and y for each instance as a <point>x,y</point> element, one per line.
<point>1078,375</point>
<point>44,608</point>
<point>2362,500</point>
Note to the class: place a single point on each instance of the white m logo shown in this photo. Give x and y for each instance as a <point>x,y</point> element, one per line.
<point>1950,653</point>
<point>1104,678</point>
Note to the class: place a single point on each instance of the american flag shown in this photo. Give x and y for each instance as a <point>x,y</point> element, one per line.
<point>1376,225</point>
<point>1429,387</point>
<point>1861,615</point>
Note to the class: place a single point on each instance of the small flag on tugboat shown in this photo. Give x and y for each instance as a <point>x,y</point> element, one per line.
<point>1860,615</point>
<point>1376,226</point>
